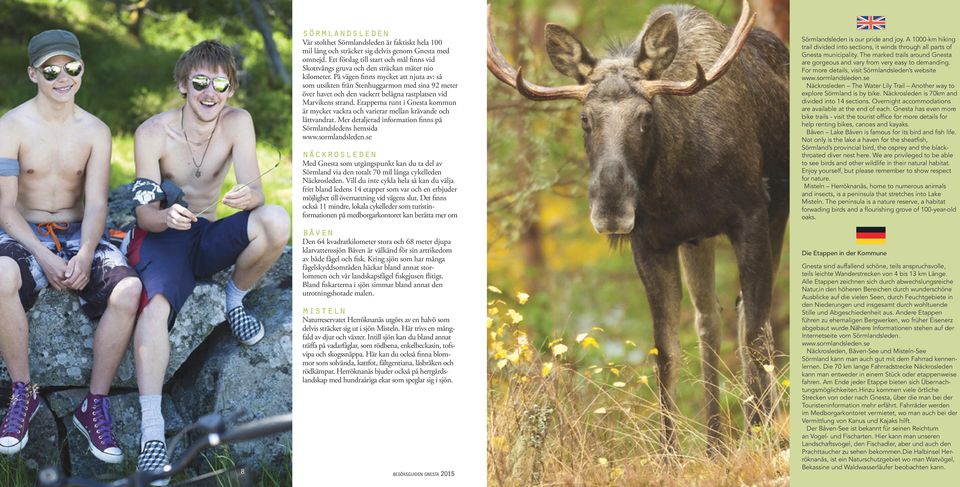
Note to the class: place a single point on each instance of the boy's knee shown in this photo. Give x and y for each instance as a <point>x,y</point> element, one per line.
<point>125,296</point>
<point>10,281</point>
<point>275,222</point>
<point>156,311</point>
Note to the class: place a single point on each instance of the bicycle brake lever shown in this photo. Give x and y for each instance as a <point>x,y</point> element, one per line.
<point>211,423</point>
<point>49,477</point>
<point>237,415</point>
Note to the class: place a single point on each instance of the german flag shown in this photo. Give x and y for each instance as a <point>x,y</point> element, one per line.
<point>871,235</point>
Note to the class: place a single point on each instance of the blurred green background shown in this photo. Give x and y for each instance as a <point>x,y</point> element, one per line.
<point>130,48</point>
<point>540,240</point>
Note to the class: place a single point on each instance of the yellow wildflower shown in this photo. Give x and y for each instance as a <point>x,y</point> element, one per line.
<point>589,342</point>
<point>547,367</point>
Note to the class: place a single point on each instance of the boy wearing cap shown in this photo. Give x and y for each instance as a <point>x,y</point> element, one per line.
<point>54,173</point>
<point>178,239</point>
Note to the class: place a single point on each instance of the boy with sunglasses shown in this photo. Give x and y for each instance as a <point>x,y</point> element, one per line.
<point>54,175</point>
<point>182,157</point>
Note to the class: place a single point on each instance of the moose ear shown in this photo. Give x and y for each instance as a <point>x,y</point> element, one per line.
<point>568,54</point>
<point>658,46</point>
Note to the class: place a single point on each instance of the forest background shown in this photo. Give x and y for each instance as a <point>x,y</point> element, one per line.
<point>129,50</point>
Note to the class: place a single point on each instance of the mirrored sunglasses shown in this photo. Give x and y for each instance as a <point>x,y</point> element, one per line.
<point>52,71</point>
<point>201,82</point>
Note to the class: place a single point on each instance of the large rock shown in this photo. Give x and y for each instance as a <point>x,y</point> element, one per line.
<point>120,206</point>
<point>125,413</point>
<point>279,275</point>
<point>258,379</point>
<point>61,337</point>
<point>208,370</point>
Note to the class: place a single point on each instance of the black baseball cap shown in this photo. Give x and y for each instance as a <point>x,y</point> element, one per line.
<point>50,43</point>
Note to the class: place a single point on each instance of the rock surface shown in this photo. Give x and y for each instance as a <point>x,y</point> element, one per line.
<point>125,413</point>
<point>209,372</point>
<point>61,337</point>
<point>233,378</point>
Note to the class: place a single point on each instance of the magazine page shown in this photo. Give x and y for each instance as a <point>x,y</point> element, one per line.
<point>874,120</point>
<point>283,242</point>
<point>659,355</point>
<point>647,224</point>
<point>389,273</point>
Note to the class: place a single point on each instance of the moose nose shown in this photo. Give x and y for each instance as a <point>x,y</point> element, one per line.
<point>613,195</point>
<point>612,226</point>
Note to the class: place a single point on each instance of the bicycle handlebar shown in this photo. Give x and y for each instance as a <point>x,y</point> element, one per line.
<point>51,477</point>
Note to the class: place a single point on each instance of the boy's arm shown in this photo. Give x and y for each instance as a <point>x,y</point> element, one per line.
<point>11,220</point>
<point>239,125</point>
<point>96,185</point>
<point>147,149</point>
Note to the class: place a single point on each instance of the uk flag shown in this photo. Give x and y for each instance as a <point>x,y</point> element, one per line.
<point>872,22</point>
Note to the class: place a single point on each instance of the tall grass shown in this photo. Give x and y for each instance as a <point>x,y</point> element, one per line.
<point>14,472</point>
<point>566,415</point>
<point>268,475</point>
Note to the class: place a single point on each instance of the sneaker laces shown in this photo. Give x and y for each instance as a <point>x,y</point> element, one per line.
<point>13,422</point>
<point>101,419</point>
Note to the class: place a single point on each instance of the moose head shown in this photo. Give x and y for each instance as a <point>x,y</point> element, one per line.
<point>619,117</point>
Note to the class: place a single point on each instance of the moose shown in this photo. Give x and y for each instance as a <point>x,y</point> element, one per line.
<point>678,156</point>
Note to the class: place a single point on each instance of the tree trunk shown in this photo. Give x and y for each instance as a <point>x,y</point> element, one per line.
<point>270,47</point>
<point>531,237</point>
<point>774,15</point>
<point>137,11</point>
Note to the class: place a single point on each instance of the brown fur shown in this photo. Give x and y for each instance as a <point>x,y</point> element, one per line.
<point>671,172</point>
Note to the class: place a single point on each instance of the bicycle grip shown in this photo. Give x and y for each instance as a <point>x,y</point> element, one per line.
<point>258,428</point>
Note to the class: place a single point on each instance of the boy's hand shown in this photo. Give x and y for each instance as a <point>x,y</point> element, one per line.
<point>179,218</point>
<point>78,272</point>
<point>239,198</point>
<point>54,268</point>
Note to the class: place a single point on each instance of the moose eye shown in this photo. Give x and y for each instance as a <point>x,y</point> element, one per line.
<point>644,118</point>
<point>585,121</point>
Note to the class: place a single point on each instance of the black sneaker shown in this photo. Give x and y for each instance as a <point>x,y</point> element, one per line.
<point>246,328</point>
<point>153,458</point>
